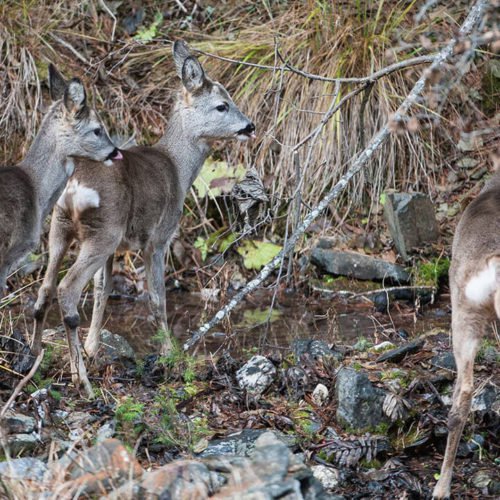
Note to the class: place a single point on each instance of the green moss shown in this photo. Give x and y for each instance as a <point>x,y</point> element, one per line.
<point>362,344</point>
<point>432,273</point>
<point>371,464</point>
<point>356,366</point>
<point>488,351</point>
<point>404,378</point>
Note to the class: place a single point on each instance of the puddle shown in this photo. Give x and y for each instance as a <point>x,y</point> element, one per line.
<point>294,316</point>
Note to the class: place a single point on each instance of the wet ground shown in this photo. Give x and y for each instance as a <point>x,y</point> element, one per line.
<point>334,319</point>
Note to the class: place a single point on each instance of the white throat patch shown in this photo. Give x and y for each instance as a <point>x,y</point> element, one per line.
<point>69,166</point>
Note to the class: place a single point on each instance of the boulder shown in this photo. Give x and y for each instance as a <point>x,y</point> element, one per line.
<point>16,423</point>
<point>359,402</point>
<point>314,349</point>
<point>327,476</point>
<point>412,221</point>
<point>115,346</point>
<point>242,443</point>
<point>21,469</point>
<point>356,265</point>
<point>103,467</point>
<point>21,443</point>
<point>256,375</point>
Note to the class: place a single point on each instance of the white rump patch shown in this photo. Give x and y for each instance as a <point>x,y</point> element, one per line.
<point>482,285</point>
<point>77,197</point>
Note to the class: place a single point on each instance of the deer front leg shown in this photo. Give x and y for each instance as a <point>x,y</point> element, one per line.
<point>89,261</point>
<point>60,237</point>
<point>102,289</point>
<point>154,261</point>
<point>467,332</point>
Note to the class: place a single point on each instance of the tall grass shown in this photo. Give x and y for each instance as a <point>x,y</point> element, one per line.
<point>132,82</point>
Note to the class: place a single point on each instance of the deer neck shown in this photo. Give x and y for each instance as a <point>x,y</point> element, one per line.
<point>47,167</point>
<point>187,152</point>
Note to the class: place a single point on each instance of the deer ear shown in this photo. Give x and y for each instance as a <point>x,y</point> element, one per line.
<point>193,75</point>
<point>75,98</point>
<point>57,84</point>
<point>181,52</point>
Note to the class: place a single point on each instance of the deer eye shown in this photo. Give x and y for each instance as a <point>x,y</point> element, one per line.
<point>222,107</point>
<point>97,131</point>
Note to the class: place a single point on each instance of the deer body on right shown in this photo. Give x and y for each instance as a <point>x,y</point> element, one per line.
<point>136,206</point>
<point>475,302</point>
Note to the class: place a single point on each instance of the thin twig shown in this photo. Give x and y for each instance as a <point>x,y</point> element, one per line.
<point>377,141</point>
<point>414,61</point>
<point>108,10</point>
<point>22,383</point>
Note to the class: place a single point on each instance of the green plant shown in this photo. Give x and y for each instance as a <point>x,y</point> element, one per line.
<point>129,415</point>
<point>432,273</point>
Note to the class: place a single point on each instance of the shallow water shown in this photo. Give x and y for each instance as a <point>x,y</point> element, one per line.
<point>334,320</point>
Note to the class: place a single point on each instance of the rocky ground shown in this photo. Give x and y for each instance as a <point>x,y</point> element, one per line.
<point>311,421</point>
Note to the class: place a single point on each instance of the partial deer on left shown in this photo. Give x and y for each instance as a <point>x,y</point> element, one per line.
<point>28,191</point>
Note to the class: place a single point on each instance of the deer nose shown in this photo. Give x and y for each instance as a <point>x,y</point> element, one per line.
<point>250,128</point>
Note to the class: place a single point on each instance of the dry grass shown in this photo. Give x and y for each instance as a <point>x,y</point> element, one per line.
<point>132,81</point>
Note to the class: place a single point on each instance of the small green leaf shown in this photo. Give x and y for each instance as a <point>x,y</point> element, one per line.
<point>202,245</point>
<point>146,35</point>
<point>437,475</point>
<point>257,254</point>
<point>383,199</point>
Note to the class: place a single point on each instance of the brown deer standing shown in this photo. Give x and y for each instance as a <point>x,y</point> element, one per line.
<point>136,206</point>
<point>475,301</point>
<point>29,190</point>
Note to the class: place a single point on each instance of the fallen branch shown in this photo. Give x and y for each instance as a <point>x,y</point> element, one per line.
<point>22,383</point>
<point>474,16</point>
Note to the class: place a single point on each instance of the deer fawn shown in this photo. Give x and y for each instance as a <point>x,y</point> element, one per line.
<point>475,301</point>
<point>29,190</point>
<point>136,206</point>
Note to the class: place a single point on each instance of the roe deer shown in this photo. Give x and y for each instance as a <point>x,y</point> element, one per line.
<point>136,206</point>
<point>29,190</point>
<point>475,301</point>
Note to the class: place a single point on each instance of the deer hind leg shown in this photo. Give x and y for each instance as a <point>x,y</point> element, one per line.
<point>60,236</point>
<point>468,328</point>
<point>102,289</point>
<point>154,261</point>
<point>90,259</point>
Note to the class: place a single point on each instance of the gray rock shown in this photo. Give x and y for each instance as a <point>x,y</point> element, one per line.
<point>412,221</point>
<point>20,443</point>
<point>256,375</point>
<point>316,349</point>
<point>179,479</point>
<point>320,394</point>
<point>242,443</point>
<point>270,458</point>
<point>27,468</point>
<point>16,423</point>
<point>357,265</point>
<point>444,360</point>
<point>327,476</point>
<point>486,401</point>
<point>398,354</point>
<point>115,346</point>
<point>359,402</point>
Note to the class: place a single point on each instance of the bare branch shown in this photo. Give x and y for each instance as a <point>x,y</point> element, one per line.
<point>474,16</point>
<point>22,383</point>
<point>414,61</point>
